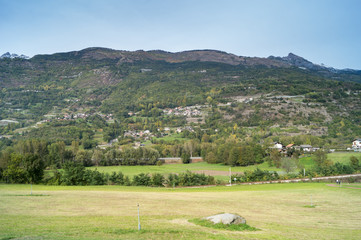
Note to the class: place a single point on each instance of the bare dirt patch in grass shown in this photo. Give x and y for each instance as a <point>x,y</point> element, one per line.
<point>182,222</point>
<point>215,172</point>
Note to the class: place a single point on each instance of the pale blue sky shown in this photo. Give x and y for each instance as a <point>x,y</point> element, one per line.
<point>322,31</point>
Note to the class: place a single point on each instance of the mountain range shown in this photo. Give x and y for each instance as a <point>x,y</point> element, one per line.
<point>195,55</point>
<point>292,60</point>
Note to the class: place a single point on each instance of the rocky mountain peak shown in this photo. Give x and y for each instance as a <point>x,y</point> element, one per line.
<point>13,55</point>
<point>297,60</point>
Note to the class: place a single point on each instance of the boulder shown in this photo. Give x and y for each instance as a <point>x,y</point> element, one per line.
<point>226,218</point>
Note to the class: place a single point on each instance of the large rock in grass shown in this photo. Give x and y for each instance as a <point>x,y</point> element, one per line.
<point>226,218</point>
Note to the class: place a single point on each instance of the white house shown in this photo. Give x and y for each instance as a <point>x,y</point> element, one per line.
<point>277,146</point>
<point>306,148</point>
<point>356,144</point>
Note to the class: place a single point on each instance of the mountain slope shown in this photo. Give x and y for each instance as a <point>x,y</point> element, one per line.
<point>290,92</point>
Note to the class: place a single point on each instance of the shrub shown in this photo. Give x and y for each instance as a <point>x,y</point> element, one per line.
<point>257,175</point>
<point>157,180</point>
<point>354,162</point>
<point>127,181</point>
<point>186,158</point>
<point>73,174</point>
<point>142,179</point>
<point>94,178</point>
<point>173,180</point>
<point>55,179</point>
<point>193,179</point>
<point>116,178</point>
<point>76,174</point>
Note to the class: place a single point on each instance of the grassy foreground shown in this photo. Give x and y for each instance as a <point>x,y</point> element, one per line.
<point>110,212</point>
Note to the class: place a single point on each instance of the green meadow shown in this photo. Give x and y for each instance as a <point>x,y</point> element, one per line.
<point>343,157</point>
<point>219,171</point>
<point>278,211</point>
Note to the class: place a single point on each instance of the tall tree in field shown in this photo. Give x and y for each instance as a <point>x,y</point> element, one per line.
<point>34,167</point>
<point>247,156</point>
<point>211,157</point>
<point>320,157</point>
<point>84,157</point>
<point>289,164</point>
<point>74,147</point>
<point>97,157</point>
<point>56,154</point>
<point>190,146</point>
<point>15,172</point>
<point>276,157</point>
<point>354,162</point>
<point>234,156</point>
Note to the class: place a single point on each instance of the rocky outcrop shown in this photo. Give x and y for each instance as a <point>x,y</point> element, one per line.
<point>226,218</point>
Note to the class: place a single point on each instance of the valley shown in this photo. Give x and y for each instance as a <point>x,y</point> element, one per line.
<point>103,107</point>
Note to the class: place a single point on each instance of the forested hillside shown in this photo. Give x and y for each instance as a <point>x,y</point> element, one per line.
<point>202,103</point>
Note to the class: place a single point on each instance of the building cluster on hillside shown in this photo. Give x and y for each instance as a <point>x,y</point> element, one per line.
<point>189,111</point>
<point>84,115</point>
<point>146,134</point>
<point>31,90</point>
<point>178,129</point>
<point>283,149</point>
<point>143,70</point>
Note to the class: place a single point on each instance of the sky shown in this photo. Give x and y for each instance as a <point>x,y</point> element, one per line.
<point>322,31</point>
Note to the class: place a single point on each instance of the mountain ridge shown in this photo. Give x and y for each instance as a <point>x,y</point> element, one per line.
<point>202,55</point>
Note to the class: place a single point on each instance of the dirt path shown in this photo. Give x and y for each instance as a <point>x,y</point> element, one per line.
<point>215,172</point>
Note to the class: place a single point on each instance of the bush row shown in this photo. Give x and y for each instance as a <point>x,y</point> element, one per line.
<point>258,175</point>
<point>76,174</point>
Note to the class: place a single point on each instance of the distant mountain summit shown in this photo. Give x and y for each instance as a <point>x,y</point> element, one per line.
<point>298,61</point>
<point>13,55</point>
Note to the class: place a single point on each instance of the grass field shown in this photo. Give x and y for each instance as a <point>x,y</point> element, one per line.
<point>220,171</point>
<point>343,157</point>
<point>110,212</point>
<point>201,167</point>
